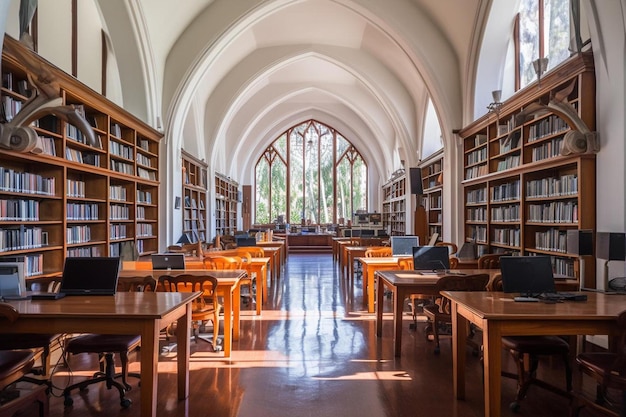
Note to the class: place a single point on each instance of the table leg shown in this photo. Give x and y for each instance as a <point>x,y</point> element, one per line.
<point>379,307</point>
<point>398,306</point>
<point>459,342</point>
<point>236,311</point>
<point>368,273</point>
<point>228,324</point>
<point>149,368</point>
<point>492,362</point>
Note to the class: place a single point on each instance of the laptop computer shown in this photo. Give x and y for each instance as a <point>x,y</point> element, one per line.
<point>85,276</point>
<point>245,241</point>
<point>431,258</point>
<point>168,261</point>
<point>403,245</point>
<point>12,281</point>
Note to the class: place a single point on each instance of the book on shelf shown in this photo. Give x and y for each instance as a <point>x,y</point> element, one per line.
<point>480,139</point>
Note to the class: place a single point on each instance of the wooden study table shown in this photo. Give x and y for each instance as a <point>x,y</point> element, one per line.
<point>275,265</point>
<point>228,286</point>
<point>370,266</point>
<point>498,315</point>
<point>276,244</point>
<point>402,284</point>
<point>350,253</point>
<point>137,313</point>
<point>337,246</point>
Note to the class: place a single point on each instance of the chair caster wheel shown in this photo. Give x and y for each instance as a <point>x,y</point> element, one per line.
<point>514,406</point>
<point>126,402</point>
<point>68,402</point>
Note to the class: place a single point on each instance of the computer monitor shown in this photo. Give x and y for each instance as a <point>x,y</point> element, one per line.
<point>90,275</point>
<point>527,275</point>
<point>245,241</point>
<point>12,281</point>
<point>168,261</point>
<point>431,258</point>
<point>368,232</point>
<point>403,245</point>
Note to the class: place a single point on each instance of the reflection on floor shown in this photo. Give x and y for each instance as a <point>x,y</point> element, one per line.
<point>314,352</point>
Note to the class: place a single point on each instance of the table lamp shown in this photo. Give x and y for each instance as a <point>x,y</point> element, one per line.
<point>610,246</point>
<point>580,242</point>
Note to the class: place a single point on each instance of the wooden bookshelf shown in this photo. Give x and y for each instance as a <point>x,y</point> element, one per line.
<point>226,200</point>
<point>394,203</point>
<point>75,199</point>
<point>432,199</point>
<point>522,194</point>
<point>194,197</point>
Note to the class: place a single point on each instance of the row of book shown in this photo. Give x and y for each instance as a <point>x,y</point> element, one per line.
<point>554,212</point>
<point>75,188</point>
<point>478,233</point>
<point>26,182</point>
<point>122,167</point>
<point>552,186</point>
<point>82,157</point>
<point>21,210</point>
<point>477,196</point>
<point>117,231</point>
<point>144,197</point>
<point>11,107</point>
<point>506,192</point>
<point>144,230</point>
<point>553,240</point>
<point>476,171</point>
<point>73,133</point>
<point>85,251</point>
<point>549,126</point>
<point>117,192</point>
<point>147,174</point>
<point>476,214</point>
<point>479,155</point>
<point>510,213</point>
<point>549,149</point>
<point>77,234</point>
<point>18,85</point>
<point>82,211</point>
<point>435,201</point>
<point>22,237</point>
<point>510,161</point>
<point>119,212</point>
<point>144,160</point>
<point>506,236</point>
<point>47,145</point>
<point>121,150</point>
<point>33,265</point>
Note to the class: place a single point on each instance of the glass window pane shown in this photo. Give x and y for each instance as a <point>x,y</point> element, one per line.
<point>528,39</point>
<point>262,214</point>
<point>359,175</point>
<point>326,178</point>
<point>557,31</point>
<point>344,190</point>
<point>279,189</point>
<point>311,182</point>
<point>296,186</point>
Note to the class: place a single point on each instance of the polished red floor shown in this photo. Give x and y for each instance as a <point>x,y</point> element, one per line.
<point>314,352</point>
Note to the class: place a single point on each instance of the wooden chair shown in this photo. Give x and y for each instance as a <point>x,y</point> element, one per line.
<point>452,247</point>
<point>106,346</point>
<point>490,261</point>
<point>14,366</point>
<point>223,262</point>
<point>439,313</point>
<point>204,308</point>
<point>608,369</point>
<point>378,252</point>
<point>526,351</point>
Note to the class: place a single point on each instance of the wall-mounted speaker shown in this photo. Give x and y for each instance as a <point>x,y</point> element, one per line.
<point>611,246</point>
<point>415,176</point>
<point>580,242</point>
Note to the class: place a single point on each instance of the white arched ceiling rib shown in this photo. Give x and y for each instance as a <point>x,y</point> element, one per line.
<point>135,60</point>
<point>420,39</point>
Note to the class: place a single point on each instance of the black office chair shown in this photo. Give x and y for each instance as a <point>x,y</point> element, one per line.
<point>106,346</point>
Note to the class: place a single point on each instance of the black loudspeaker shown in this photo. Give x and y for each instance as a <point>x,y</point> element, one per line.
<point>580,242</point>
<point>416,181</point>
<point>611,246</point>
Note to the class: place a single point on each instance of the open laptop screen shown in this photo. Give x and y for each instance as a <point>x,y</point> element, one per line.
<point>403,245</point>
<point>527,274</point>
<point>431,258</point>
<point>90,276</point>
<point>12,283</point>
<point>168,261</point>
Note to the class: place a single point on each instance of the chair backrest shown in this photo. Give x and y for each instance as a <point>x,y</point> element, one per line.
<point>146,283</point>
<point>405,264</point>
<point>8,312</point>
<point>454,262</point>
<point>452,248</point>
<point>378,252</point>
<point>490,261</point>
<point>223,262</point>
<point>495,284</point>
<point>191,283</point>
<point>476,282</point>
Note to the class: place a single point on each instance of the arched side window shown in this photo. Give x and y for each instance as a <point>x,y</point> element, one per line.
<point>543,31</point>
<point>311,173</point>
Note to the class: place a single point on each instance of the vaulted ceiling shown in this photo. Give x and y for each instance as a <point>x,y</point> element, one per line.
<point>229,76</point>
